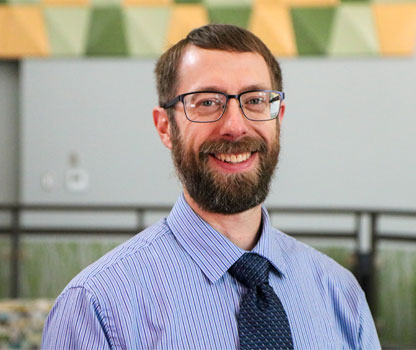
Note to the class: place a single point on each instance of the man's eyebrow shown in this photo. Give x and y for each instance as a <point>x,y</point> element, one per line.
<point>215,88</point>
<point>212,88</point>
<point>256,87</point>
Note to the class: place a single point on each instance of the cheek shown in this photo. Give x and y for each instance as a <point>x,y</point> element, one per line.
<point>195,135</point>
<point>270,134</point>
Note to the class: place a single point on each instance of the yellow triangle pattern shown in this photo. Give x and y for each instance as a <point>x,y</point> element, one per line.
<point>183,19</point>
<point>396,28</point>
<point>264,17</point>
<point>22,31</point>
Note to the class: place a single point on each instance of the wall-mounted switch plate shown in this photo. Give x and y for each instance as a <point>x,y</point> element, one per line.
<point>77,180</point>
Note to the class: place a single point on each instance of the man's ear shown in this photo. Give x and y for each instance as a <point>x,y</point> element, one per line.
<point>282,112</point>
<point>161,120</point>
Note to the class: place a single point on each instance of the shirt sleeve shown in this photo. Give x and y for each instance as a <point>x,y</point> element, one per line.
<point>75,322</point>
<point>367,337</point>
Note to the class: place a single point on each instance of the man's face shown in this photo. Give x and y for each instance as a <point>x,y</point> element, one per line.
<point>225,166</point>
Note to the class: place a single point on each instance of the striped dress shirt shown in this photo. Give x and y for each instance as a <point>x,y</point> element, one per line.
<point>169,288</point>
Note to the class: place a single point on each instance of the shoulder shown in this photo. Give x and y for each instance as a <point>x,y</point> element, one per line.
<point>305,260</point>
<point>100,299</point>
<point>326,281</point>
<point>123,260</point>
<point>331,290</point>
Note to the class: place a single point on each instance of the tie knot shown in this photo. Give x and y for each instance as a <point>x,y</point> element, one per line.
<point>251,270</point>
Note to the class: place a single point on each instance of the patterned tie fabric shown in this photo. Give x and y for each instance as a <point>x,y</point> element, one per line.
<point>262,322</point>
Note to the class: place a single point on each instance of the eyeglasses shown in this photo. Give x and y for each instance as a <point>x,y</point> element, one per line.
<point>209,106</point>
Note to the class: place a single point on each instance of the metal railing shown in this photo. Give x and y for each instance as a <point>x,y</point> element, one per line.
<point>364,257</point>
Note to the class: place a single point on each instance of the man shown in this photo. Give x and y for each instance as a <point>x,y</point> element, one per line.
<point>214,274</point>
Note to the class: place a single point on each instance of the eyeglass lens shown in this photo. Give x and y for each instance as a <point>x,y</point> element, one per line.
<point>209,106</point>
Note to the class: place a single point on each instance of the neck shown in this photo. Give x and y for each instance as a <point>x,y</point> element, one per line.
<point>243,229</point>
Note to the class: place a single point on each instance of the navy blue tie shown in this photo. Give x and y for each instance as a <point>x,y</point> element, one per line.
<point>262,321</point>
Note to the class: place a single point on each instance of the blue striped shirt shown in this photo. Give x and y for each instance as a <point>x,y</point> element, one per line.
<point>168,288</point>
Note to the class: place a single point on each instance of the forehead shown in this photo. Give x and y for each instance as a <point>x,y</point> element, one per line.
<point>230,72</point>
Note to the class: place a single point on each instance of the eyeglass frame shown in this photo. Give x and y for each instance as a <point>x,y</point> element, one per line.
<point>180,98</point>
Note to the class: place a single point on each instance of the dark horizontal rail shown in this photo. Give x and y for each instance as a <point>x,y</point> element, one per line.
<point>315,234</point>
<point>396,237</point>
<point>84,207</point>
<point>167,208</point>
<point>346,211</point>
<point>70,231</point>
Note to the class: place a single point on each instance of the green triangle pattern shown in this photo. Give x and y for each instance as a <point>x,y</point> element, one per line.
<point>228,3</point>
<point>354,31</point>
<point>238,16</point>
<point>146,30</point>
<point>106,33</point>
<point>67,29</point>
<point>312,28</point>
<point>106,2</point>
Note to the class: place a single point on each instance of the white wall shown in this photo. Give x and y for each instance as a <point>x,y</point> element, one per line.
<point>100,110</point>
<point>348,134</point>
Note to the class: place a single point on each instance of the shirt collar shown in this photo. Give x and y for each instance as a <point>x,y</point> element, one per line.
<point>269,245</point>
<point>212,251</point>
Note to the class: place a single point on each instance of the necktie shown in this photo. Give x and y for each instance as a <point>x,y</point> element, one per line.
<point>262,321</point>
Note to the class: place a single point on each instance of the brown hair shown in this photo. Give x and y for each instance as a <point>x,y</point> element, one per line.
<point>214,37</point>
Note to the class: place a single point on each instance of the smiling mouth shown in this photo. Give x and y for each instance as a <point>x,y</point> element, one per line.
<point>233,158</point>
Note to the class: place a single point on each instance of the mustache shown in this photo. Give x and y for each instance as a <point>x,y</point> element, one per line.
<point>246,144</point>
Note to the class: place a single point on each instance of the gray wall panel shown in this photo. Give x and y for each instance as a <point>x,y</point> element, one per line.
<point>100,110</point>
<point>8,131</point>
<point>347,136</point>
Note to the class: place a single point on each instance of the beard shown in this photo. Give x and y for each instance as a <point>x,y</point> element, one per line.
<point>224,193</point>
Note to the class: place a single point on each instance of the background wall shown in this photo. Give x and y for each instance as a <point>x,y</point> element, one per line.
<point>347,135</point>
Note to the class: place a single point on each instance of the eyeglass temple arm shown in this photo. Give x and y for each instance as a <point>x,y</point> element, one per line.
<point>281,96</point>
<point>173,102</point>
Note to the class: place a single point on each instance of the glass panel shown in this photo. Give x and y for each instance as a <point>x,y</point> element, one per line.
<point>49,262</point>
<point>4,266</point>
<point>396,296</point>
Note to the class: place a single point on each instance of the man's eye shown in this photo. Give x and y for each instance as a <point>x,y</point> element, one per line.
<point>207,103</point>
<point>255,101</point>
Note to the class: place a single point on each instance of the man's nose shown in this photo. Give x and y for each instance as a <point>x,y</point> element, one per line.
<point>234,124</point>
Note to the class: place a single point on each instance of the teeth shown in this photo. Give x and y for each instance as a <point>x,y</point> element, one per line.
<point>233,158</point>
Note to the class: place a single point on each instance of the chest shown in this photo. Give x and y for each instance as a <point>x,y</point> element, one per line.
<point>189,315</point>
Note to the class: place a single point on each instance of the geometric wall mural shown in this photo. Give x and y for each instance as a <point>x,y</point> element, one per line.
<point>145,28</point>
